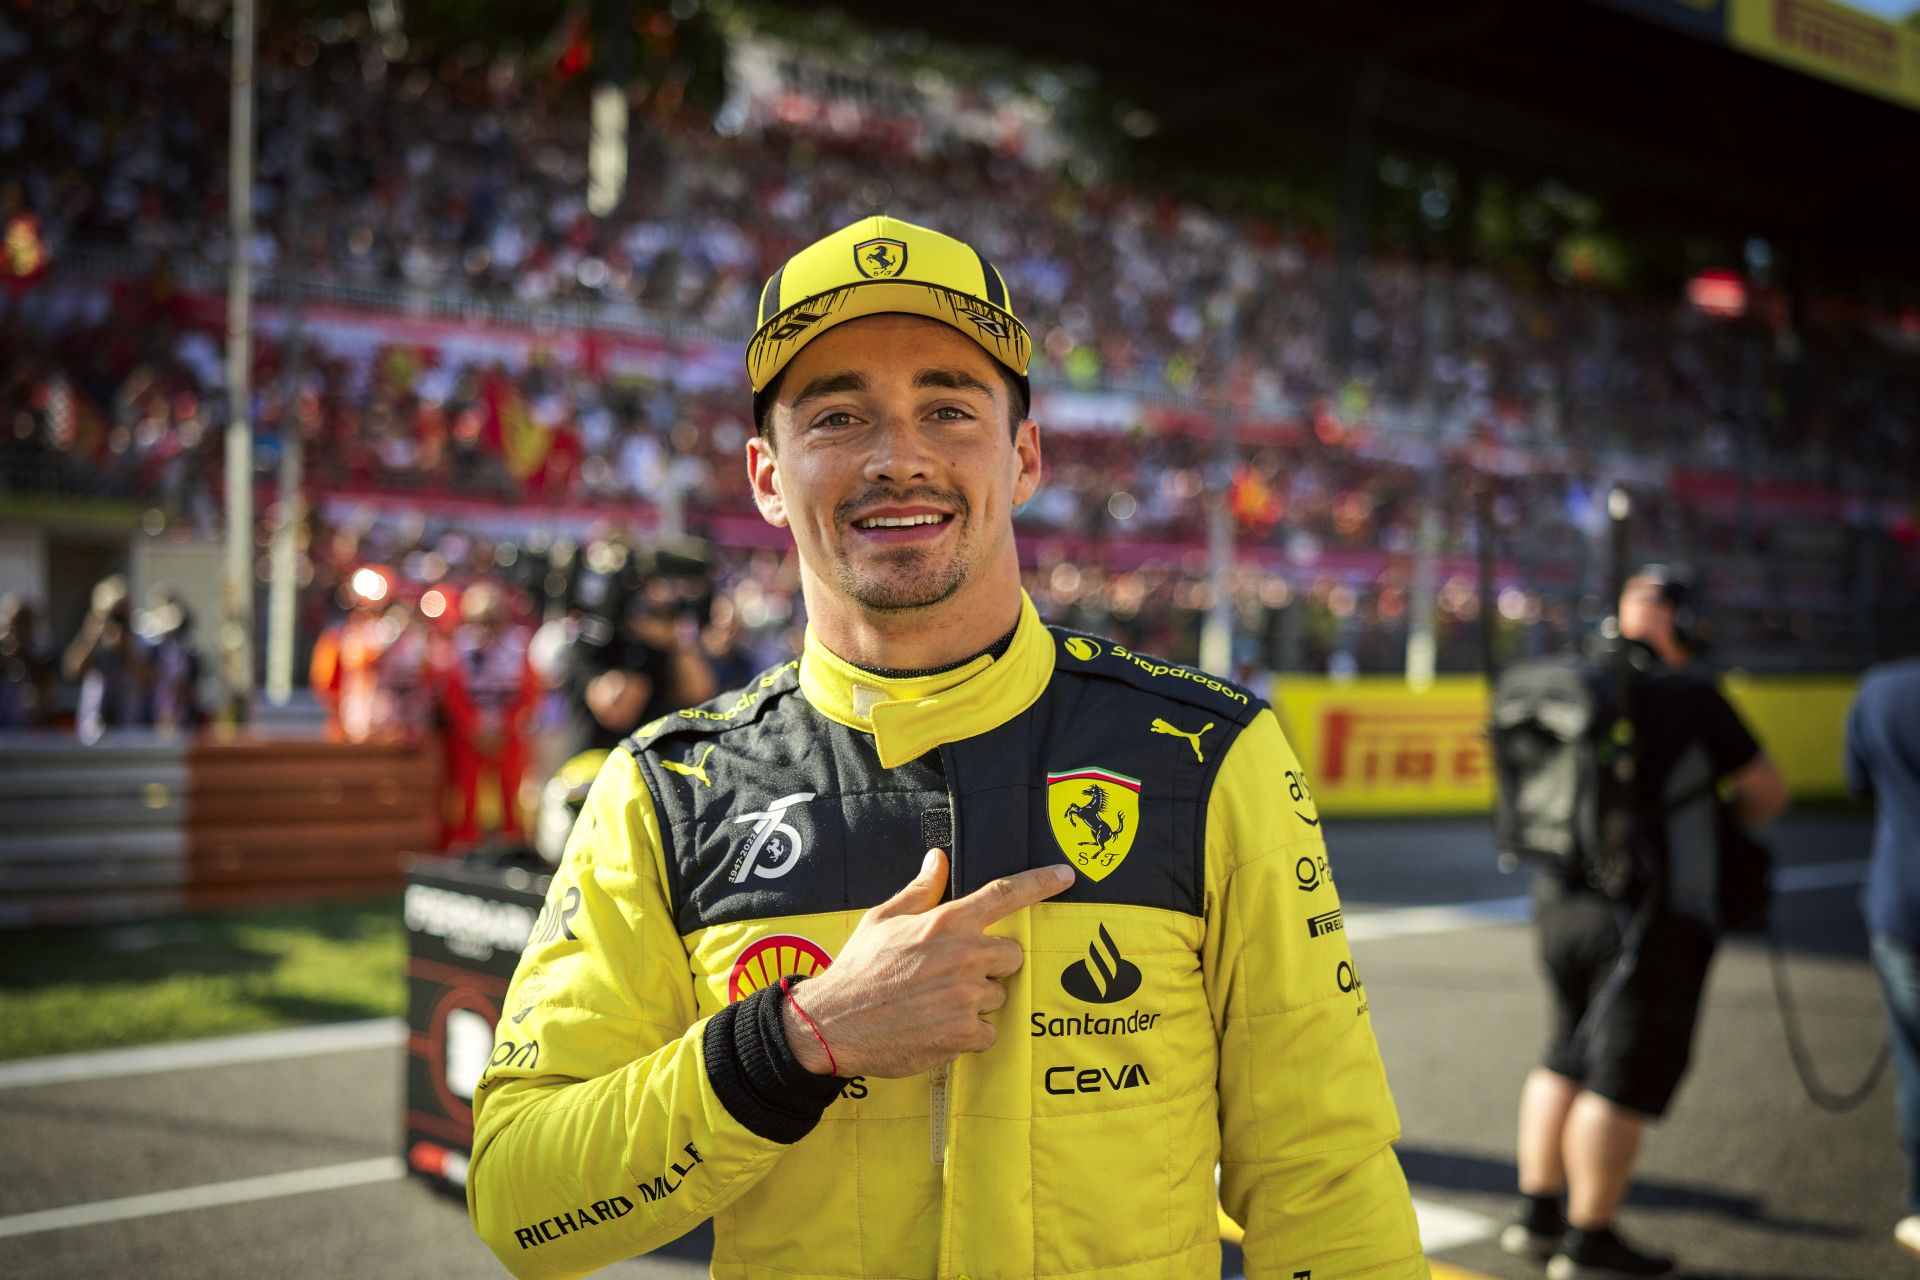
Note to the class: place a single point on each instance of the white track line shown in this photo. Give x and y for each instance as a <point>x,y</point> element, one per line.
<point>1403,922</point>
<point>1444,1227</point>
<point>223,1051</point>
<point>357,1173</point>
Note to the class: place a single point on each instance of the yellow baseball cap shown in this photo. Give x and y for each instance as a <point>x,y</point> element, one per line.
<point>883,265</point>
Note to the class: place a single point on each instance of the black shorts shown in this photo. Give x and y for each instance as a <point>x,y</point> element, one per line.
<point>1626,1036</point>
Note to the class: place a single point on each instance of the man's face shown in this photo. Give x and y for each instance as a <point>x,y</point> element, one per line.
<point>890,459</point>
<point>1645,613</point>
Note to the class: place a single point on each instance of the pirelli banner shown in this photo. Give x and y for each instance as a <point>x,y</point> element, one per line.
<point>1832,41</point>
<point>1372,746</point>
<point>1835,42</point>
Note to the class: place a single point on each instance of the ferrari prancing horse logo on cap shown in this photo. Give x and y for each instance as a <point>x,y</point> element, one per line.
<point>1095,813</point>
<point>880,259</point>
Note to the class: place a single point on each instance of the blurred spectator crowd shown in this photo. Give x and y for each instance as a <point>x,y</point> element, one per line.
<point>1509,405</point>
<point>125,668</point>
<point>469,176</point>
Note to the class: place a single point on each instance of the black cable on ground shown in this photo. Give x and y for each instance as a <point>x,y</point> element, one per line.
<point>1817,1092</point>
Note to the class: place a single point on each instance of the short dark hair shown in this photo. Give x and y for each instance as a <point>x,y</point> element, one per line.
<point>1019,401</point>
<point>1674,582</point>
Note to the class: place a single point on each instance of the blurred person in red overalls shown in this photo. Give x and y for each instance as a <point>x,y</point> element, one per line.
<point>488,698</point>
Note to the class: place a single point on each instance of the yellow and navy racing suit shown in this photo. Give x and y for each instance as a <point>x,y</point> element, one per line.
<point>1191,999</point>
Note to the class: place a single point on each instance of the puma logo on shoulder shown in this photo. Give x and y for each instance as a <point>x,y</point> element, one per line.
<point>698,770</point>
<point>1193,739</point>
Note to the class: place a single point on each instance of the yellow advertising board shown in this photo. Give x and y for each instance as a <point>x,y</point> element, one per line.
<point>1833,42</point>
<point>1373,746</point>
<point>1802,722</point>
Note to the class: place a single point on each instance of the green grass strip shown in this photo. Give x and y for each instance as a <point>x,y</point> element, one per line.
<point>218,973</point>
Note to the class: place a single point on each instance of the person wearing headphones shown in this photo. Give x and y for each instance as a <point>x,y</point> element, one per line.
<point>962,945</point>
<point>1626,977</point>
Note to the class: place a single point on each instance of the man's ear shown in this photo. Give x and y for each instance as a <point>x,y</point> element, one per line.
<point>763,473</point>
<point>1026,458</point>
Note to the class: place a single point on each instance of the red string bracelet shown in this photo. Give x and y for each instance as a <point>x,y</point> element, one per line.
<point>786,986</point>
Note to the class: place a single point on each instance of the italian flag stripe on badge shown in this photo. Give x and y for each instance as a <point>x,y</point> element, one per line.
<point>1096,775</point>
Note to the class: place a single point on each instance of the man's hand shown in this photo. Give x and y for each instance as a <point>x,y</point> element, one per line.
<point>616,698</point>
<point>911,988</point>
<point>1760,793</point>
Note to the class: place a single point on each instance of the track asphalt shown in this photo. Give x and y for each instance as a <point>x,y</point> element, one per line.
<point>278,1156</point>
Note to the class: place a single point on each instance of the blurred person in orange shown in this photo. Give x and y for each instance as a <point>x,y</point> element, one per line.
<point>323,676</point>
<point>352,673</point>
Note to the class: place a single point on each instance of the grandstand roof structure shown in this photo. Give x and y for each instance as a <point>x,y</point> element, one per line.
<point>1669,127</point>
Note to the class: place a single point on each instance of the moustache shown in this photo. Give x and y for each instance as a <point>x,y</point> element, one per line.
<point>879,496</point>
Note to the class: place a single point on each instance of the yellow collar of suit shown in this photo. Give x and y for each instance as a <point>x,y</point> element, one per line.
<point>909,717</point>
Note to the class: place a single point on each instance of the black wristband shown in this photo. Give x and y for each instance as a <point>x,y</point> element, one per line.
<point>756,1075</point>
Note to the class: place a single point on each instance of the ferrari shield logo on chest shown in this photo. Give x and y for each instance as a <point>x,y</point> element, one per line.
<point>880,259</point>
<point>1095,814</point>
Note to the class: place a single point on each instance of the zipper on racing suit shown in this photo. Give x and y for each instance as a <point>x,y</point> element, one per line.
<point>937,1114</point>
<point>936,832</point>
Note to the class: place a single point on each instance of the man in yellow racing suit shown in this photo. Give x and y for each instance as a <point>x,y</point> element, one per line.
<point>962,946</point>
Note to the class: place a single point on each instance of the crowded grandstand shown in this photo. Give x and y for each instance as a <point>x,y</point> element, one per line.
<point>485,377</point>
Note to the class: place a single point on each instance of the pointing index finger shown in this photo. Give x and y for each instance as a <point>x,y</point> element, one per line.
<point>1001,898</point>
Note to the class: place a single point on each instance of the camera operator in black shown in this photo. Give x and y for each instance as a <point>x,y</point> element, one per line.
<point>628,661</point>
<point>1624,1007</point>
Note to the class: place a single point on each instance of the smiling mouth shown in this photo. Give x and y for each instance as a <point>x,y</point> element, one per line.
<point>900,522</point>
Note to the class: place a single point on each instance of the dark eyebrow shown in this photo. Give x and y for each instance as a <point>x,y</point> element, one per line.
<point>951,380</point>
<point>834,383</point>
<point>830,384</point>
